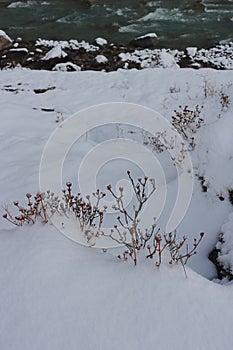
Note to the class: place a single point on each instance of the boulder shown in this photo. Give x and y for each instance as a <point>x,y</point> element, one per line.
<point>148,41</point>
<point>198,6</point>
<point>5,40</point>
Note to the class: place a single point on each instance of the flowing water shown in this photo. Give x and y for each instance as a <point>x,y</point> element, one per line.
<point>178,23</point>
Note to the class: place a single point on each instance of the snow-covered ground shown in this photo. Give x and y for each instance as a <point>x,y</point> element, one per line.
<point>56,294</point>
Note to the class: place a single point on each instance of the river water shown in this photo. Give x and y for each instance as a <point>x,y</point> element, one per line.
<point>178,23</point>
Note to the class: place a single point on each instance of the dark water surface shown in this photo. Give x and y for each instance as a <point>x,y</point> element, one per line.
<point>178,23</point>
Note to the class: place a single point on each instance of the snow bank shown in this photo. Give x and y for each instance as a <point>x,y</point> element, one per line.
<point>58,294</point>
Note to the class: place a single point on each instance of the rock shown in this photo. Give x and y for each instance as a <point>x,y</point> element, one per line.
<point>191,51</point>
<point>101,41</point>
<point>148,41</point>
<point>101,59</point>
<point>5,40</point>
<point>55,52</point>
<point>166,60</point>
<point>198,6</point>
<point>66,67</point>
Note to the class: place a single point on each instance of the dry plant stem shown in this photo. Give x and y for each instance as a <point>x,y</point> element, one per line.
<point>90,217</point>
<point>130,223</point>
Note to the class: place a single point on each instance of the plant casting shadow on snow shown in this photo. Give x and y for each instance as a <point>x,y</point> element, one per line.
<point>90,216</point>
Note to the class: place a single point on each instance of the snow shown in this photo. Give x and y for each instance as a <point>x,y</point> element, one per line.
<point>149,35</point>
<point>101,41</point>
<point>58,294</point>
<point>101,59</point>
<point>153,58</point>
<point>167,60</point>
<point>64,67</point>
<point>55,52</point>
<point>20,49</point>
<point>220,56</point>
<point>4,35</point>
<point>225,256</point>
<point>71,44</point>
<point>191,51</point>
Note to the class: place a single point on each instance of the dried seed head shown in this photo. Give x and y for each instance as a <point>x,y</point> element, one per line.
<point>202,234</point>
<point>28,195</point>
<point>4,216</point>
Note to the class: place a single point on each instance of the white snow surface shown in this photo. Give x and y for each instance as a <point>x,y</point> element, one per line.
<point>56,294</point>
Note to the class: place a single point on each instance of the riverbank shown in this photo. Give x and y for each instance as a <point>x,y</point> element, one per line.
<point>100,55</point>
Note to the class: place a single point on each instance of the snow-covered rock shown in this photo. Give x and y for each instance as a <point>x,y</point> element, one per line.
<point>101,41</point>
<point>67,66</point>
<point>71,44</point>
<point>167,60</point>
<point>225,247</point>
<point>152,58</point>
<point>5,40</point>
<point>149,40</point>
<point>191,51</point>
<point>55,52</point>
<point>101,59</point>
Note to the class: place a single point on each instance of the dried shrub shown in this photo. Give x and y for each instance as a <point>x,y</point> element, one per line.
<point>224,101</point>
<point>187,121</point>
<point>209,89</point>
<point>127,232</point>
<point>88,214</point>
<point>35,209</point>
